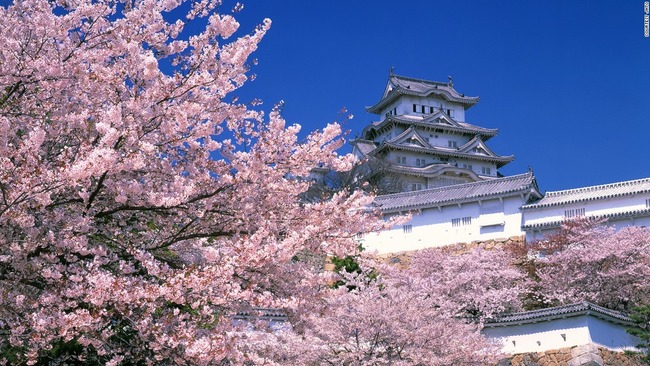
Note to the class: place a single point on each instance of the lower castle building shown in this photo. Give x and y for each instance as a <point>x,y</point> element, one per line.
<point>503,208</point>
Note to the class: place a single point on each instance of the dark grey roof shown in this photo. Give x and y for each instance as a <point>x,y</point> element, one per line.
<point>459,193</point>
<point>268,314</point>
<point>431,170</point>
<point>592,193</point>
<point>403,85</point>
<point>559,312</point>
<point>364,146</point>
<point>446,152</point>
<point>429,123</point>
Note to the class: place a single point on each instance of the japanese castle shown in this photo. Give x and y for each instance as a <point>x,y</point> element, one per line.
<point>432,164</point>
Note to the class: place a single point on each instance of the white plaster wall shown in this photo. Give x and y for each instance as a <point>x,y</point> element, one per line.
<point>543,336</point>
<point>611,336</point>
<point>547,335</point>
<point>592,208</point>
<point>405,106</point>
<point>432,227</point>
<point>537,234</point>
<point>443,138</point>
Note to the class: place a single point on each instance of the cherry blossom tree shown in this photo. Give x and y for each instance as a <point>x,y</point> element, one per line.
<point>474,285</point>
<point>387,321</point>
<point>595,262</point>
<point>140,205</point>
<point>428,313</point>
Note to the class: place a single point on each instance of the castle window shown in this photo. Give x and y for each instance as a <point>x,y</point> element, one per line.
<point>647,203</point>
<point>423,109</point>
<point>452,144</point>
<point>407,229</point>
<point>486,170</point>
<point>467,166</point>
<point>419,162</point>
<point>401,160</point>
<point>416,186</point>
<point>431,110</point>
<point>415,108</point>
<point>461,221</point>
<point>574,212</point>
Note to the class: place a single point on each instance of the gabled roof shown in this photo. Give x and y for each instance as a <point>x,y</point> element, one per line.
<point>592,193</point>
<point>411,137</point>
<point>477,146</point>
<point>402,85</point>
<point>444,151</point>
<point>559,312</point>
<point>442,119</point>
<point>365,147</point>
<point>430,122</point>
<point>459,193</point>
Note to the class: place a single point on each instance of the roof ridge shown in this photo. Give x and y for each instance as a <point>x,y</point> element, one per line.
<point>596,187</point>
<point>577,307</point>
<point>409,78</point>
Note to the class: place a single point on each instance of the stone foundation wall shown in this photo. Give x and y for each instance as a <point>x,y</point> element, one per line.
<point>585,355</point>
<point>402,259</point>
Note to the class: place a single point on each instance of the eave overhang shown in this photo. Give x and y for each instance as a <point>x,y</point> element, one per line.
<point>560,312</point>
<point>391,121</point>
<point>401,85</point>
<point>498,160</point>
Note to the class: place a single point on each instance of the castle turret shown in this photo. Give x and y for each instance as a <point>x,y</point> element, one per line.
<point>422,140</point>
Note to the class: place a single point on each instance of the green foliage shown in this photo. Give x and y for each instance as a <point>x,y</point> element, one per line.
<point>350,264</point>
<point>641,317</point>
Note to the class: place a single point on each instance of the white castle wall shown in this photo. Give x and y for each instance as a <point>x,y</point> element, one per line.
<point>562,333</point>
<point>594,208</point>
<point>434,227</point>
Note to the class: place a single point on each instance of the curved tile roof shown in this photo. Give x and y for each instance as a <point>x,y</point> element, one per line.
<point>559,312</point>
<point>459,193</point>
<point>365,147</point>
<point>431,170</point>
<point>429,123</point>
<point>403,85</point>
<point>448,152</point>
<point>598,192</point>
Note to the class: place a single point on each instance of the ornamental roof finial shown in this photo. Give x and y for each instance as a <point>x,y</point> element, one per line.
<point>391,71</point>
<point>451,81</point>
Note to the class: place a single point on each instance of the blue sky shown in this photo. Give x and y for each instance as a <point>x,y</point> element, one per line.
<point>566,82</point>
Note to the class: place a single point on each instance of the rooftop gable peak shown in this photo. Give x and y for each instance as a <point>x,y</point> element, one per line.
<point>477,146</point>
<point>402,85</point>
<point>442,118</point>
<point>411,137</point>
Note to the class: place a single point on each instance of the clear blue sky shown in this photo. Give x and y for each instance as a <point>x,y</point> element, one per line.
<point>566,82</point>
